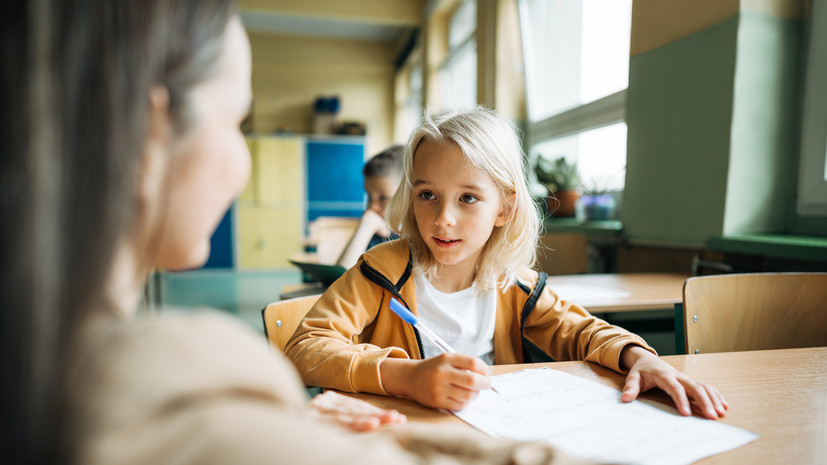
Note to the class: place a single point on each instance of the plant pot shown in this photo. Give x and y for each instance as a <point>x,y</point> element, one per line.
<point>562,204</point>
<point>596,207</point>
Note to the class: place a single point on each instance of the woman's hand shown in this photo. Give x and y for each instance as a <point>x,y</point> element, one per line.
<point>356,414</point>
<point>448,381</point>
<point>647,371</point>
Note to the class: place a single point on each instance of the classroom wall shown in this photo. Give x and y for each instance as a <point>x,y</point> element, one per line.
<point>289,72</point>
<point>712,112</point>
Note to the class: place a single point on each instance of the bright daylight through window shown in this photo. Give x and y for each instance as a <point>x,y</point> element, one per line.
<point>577,67</point>
<point>458,73</point>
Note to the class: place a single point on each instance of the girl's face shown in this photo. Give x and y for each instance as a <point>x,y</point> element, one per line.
<point>210,163</point>
<point>456,206</point>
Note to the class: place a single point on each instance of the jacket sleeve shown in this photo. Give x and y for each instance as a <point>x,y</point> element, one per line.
<point>328,347</point>
<point>568,331</point>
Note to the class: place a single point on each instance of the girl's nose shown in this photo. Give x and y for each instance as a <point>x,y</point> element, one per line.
<point>445,215</point>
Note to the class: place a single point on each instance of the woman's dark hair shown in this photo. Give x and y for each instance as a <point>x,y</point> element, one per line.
<point>74,95</point>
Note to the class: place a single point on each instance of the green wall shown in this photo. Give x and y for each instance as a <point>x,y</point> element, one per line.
<point>678,109</point>
<point>765,126</point>
<point>713,132</point>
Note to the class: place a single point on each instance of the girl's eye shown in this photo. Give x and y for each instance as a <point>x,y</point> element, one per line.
<point>468,198</point>
<point>427,195</point>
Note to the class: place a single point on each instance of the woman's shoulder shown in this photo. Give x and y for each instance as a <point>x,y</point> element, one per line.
<point>157,361</point>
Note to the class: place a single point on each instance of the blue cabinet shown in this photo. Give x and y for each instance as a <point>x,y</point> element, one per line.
<point>221,244</point>
<point>334,177</point>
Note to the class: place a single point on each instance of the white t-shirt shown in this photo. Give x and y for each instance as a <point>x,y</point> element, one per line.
<point>464,319</point>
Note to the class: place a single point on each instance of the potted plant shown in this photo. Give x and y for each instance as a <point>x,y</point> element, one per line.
<point>561,179</point>
<point>596,203</point>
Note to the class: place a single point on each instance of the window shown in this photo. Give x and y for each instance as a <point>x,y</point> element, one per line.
<point>812,181</point>
<point>577,70</point>
<point>458,72</point>
<point>408,99</point>
<point>601,153</point>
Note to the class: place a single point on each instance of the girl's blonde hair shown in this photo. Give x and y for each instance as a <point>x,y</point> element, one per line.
<point>490,143</point>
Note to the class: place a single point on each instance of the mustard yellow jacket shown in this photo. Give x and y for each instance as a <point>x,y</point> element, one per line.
<point>351,330</point>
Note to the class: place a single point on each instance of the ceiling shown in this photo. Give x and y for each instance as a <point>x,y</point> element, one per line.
<point>379,20</point>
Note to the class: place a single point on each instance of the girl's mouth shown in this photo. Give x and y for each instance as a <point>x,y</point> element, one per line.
<point>446,243</point>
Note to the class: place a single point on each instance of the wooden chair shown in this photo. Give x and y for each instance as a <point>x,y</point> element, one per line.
<point>283,317</point>
<point>727,313</point>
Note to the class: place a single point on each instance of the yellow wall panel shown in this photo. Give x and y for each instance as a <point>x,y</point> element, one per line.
<point>290,72</point>
<point>279,171</point>
<point>268,236</point>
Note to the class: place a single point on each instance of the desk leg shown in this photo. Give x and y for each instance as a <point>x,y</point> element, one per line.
<point>680,335</point>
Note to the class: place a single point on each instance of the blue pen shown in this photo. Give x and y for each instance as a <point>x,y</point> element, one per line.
<point>406,315</point>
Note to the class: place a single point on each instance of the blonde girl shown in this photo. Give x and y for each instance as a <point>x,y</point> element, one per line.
<point>468,234</point>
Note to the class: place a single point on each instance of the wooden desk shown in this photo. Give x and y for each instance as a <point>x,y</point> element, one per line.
<point>779,394</point>
<point>646,291</point>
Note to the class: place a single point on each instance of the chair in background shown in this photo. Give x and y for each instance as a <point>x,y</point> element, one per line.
<point>283,317</point>
<point>735,312</point>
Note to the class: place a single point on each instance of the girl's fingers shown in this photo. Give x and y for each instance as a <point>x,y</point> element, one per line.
<point>470,380</point>
<point>699,395</point>
<point>676,391</point>
<point>718,400</point>
<point>632,388</point>
<point>469,363</point>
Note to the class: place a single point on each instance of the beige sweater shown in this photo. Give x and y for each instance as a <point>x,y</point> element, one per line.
<point>203,389</point>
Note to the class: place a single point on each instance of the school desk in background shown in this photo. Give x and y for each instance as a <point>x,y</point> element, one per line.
<point>316,276</point>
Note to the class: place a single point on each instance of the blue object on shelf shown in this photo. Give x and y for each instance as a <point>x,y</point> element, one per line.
<point>326,105</point>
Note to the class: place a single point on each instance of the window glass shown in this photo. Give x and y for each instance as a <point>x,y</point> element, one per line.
<point>415,81</point>
<point>600,155</point>
<point>463,23</point>
<point>576,51</point>
<point>458,78</point>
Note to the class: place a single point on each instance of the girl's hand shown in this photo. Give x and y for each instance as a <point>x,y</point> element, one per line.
<point>648,371</point>
<point>448,381</point>
<point>353,413</point>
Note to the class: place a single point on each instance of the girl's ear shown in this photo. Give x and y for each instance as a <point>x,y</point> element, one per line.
<point>157,145</point>
<point>506,210</point>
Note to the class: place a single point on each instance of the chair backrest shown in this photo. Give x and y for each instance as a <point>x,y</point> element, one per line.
<point>282,318</point>
<point>727,313</point>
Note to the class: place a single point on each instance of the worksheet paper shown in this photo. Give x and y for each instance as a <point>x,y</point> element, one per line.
<point>587,419</point>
